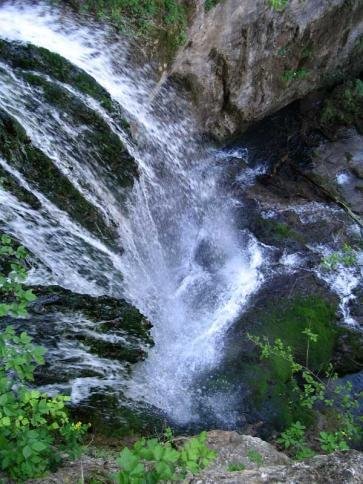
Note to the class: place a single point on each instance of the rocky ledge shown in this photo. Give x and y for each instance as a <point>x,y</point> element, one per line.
<point>274,466</point>
<point>232,449</point>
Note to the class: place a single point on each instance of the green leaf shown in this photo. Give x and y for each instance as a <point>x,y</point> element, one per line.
<point>127,460</point>
<point>27,451</point>
<point>38,446</point>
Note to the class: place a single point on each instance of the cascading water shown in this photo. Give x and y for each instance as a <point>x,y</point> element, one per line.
<point>184,263</point>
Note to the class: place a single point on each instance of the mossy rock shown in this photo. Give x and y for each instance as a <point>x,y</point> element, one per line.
<point>270,387</point>
<point>111,414</point>
<point>17,149</point>
<point>290,318</point>
<point>277,232</point>
<point>31,58</point>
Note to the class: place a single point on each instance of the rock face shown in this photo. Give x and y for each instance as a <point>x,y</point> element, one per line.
<point>338,168</point>
<point>273,466</point>
<point>245,60</point>
<point>336,468</point>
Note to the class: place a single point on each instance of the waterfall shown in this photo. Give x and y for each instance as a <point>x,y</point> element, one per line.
<point>181,260</point>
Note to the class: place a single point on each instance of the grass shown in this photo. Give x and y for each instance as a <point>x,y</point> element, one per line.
<point>236,467</point>
<point>255,457</point>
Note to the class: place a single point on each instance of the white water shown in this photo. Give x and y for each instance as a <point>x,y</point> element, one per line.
<point>185,265</point>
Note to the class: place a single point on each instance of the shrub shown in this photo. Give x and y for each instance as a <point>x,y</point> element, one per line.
<point>314,394</point>
<point>153,460</point>
<point>35,429</point>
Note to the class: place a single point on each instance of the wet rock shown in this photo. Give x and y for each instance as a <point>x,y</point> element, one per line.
<point>85,337</point>
<point>348,357</point>
<point>246,60</point>
<point>338,168</point>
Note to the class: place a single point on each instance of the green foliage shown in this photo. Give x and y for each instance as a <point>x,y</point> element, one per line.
<point>143,18</point>
<point>344,105</point>
<point>294,439</point>
<point>278,5</point>
<point>316,394</point>
<point>294,74</point>
<point>15,297</point>
<point>255,457</point>
<point>209,4</point>
<point>34,428</point>
<point>347,257</point>
<point>152,460</point>
<point>236,467</point>
<point>332,441</point>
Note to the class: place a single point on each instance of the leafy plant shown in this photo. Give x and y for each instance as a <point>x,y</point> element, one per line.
<point>313,393</point>
<point>293,438</point>
<point>34,429</point>
<point>255,457</point>
<point>278,5</point>
<point>235,467</point>
<point>152,460</point>
<point>330,442</point>
<point>347,257</point>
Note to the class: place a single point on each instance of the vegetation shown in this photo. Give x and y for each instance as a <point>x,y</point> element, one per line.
<point>347,257</point>
<point>159,19</point>
<point>255,457</point>
<point>236,467</point>
<point>294,74</point>
<point>315,394</point>
<point>344,106</point>
<point>35,429</point>
<point>209,4</point>
<point>278,5</point>
<point>153,460</point>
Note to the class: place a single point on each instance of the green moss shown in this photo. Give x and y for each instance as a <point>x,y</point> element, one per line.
<point>288,321</point>
<point>274,232</point>
<point>32,58</point>
<point>271,388</point>
<point>44,175</point>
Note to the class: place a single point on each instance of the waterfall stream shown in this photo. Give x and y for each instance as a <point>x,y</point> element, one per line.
<point>177,254</point>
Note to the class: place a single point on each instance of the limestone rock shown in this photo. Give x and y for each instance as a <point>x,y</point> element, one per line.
<point>245,60</point>
<point>274,466</point>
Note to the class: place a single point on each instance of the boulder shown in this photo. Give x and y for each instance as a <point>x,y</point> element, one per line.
<point>246,59</point>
